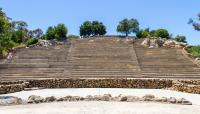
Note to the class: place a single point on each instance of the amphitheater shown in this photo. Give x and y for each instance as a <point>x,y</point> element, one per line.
<point>117,76</point>
<point>99,58</point>
<point>100,62</point>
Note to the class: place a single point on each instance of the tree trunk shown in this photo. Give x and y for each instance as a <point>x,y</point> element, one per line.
<point>126,34</point>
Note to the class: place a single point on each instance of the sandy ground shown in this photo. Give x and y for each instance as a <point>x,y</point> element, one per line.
<point>100,108</point>
<point>103,107</point>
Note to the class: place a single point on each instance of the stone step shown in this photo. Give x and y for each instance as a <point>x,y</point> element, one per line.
<point>24,65</point>
<point>30,61</point>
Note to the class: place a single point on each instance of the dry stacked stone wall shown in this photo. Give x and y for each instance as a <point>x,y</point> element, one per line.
<point>190,86</point>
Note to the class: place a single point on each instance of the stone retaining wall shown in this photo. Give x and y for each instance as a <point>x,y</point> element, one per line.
<point>9,87</point>
<point>190,86</point>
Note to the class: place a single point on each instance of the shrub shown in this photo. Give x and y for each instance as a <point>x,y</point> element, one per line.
<point>180,39</point>
<point>163,33</point>
<point>143,34</point>
<point>31,41</point>
<point>195,51</point>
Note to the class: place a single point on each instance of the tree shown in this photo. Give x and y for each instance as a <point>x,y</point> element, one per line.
<point>86,29</point>
<point>19,31</point>
<point>5,36</point>
<point>18,36</point>
<point>143,33</point>
<point>50,34</point>
<point>19,25</point>
<point>37,33</point>
<point>58,32</point>
<point>194,23</point>
<point>98,28</point>
<point>163,33</point>
<point>179,38</point>
<point>127,26</point>
<point>93,28</point>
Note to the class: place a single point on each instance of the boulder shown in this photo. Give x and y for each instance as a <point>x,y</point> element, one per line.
<point>172,100</point>
<point>148,97</point>
<point>132,98</point>
<point>164,99</point>
<point>146,42</point>
<point>160,42</point>
<point>67,98</point>
<point>185,102</point>
<point>89,98</point>
<point>10,100</point>
<point>106,97</point>
<point>123,98</point>
<point>97,97</point>
<point>50,99</point>
<point>35,99</point>
<point>75,98</point>
<point>60,99</point>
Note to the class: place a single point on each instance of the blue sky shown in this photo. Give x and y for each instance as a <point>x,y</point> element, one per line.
<point>170,14</point>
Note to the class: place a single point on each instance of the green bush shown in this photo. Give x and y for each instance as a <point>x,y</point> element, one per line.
<point>180,39</point>
<point>58,32</point>
<point>163,33</point>
<point>195,51</point>
<point>31,41</point>
<point>143,34</point>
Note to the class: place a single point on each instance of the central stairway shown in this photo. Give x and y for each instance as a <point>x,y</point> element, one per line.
<point>103,58</point>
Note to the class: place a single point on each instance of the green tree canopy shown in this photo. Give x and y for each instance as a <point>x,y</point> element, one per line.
<point>163,33</point>
<point>58,32</point>
<point>179,38</point>
<point>5,36</point>
<point>93,28</point>
<point>143,34</point>
<point>127,26</point>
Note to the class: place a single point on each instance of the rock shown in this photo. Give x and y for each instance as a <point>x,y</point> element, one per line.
<point>132,98</point>
<point>50,99</point>
<point>60,99</point>
<point>75,98</point>
<point>10,100</point>
<point>197,61</point>
<point>97,98</point>
<point>161,42</point>
<point>67,98</point>
<point>164,99</point>
<point>89,98</point>
<point>186,102</point>
<point>148,97</point>
<point>158,99</point>
<point>129,41</point>
<point>106,97</point>
<point>172,100</point>
<point>123,98</point>
<point>146,42</point>
<point>35,99</point>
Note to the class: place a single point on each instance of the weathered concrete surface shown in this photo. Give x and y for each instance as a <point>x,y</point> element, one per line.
<point>100,108</point>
